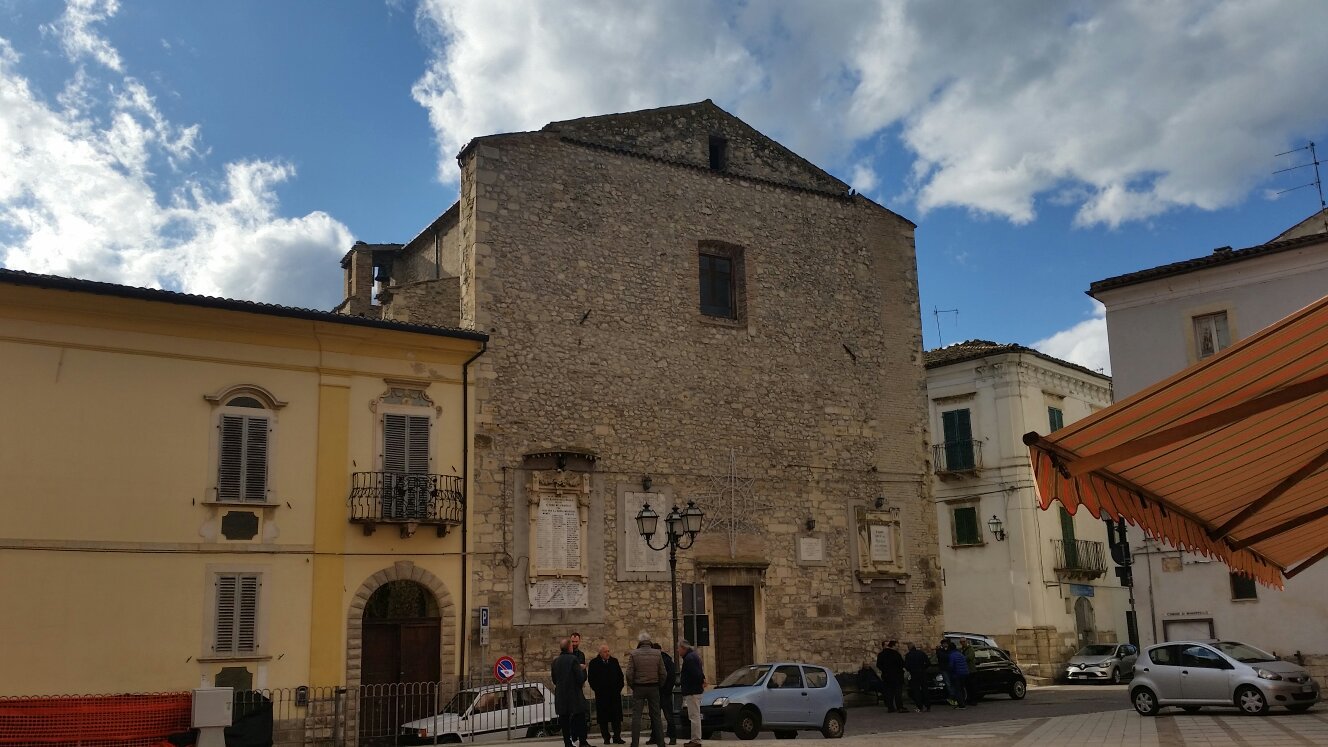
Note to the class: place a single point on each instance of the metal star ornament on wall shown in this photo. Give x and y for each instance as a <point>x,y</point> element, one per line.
<point>731,505</point>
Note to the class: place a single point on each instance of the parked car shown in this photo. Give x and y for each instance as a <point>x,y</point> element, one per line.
<point>993,673</point>
<point>484,710</point>
<point>781,697</point>
<point>1192,674</point>
<point>1102,662</point>
<point>974,639</point>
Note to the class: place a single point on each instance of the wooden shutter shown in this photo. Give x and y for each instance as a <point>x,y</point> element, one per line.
<point>236,630</point>
<point>242,462</point>
<point>958,439</point>
<point>406,443</point>
<point>966,526</point>
<point>1055,418</point>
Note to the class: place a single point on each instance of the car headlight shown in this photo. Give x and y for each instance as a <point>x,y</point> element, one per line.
<point>720,701</point>
<point>940,678</point>
<point>1265,674</point>
<point>1102,664</point>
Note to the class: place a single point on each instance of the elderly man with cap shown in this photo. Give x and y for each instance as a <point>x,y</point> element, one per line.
<point>645,672</point>
<point>693,684</point>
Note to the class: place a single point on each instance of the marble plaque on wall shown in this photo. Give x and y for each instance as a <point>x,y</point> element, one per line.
<point>811,549</point>
<point>882,544</point>
<point>552,594</point>
<point>638,555</point>
<point>558,535</point>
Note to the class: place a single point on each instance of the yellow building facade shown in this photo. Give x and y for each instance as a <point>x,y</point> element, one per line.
<point>198,491</point>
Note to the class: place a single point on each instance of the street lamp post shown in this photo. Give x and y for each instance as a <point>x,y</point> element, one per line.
<point>679,524</point>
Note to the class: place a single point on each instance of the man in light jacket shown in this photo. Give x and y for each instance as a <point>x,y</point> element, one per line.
<point>645,673</point>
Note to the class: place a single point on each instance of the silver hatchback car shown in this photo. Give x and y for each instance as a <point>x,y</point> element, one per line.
<point>1192,674</point>
<point>1101,662</point>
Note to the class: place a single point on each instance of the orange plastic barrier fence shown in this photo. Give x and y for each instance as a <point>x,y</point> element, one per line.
<point>140,720</point>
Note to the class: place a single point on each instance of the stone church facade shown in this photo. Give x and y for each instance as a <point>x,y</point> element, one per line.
<point>679,309</point>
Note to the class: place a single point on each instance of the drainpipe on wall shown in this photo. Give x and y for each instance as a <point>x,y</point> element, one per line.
<point>465,525</point>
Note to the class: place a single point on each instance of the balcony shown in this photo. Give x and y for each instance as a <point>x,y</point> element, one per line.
<point>957,457</point>
<point>408,500</point>
<point>1079,559</point>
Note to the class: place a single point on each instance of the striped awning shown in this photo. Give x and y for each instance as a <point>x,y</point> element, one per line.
<point>1228,458</point>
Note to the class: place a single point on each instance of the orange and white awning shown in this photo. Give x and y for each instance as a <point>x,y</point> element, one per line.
<point>1228,458</point>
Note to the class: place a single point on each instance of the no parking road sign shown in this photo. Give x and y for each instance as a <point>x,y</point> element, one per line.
<point>504,669</point>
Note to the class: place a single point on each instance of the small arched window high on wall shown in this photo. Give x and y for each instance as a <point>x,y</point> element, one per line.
<point>245,420</point>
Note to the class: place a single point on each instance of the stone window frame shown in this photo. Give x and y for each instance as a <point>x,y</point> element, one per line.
<point>976,505</point>
<point>737,255</point>
<point>211,578</point>
<point>1191,315</point>
<point>222,407</point>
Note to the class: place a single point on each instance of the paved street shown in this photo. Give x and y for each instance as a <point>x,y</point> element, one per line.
<point>1042,702</point>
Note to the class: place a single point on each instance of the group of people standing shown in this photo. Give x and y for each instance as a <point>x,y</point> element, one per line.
<point>650,674</point>
<point>899,669</point>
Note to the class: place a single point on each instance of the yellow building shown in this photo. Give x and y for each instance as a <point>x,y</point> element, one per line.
<point>198,490</point>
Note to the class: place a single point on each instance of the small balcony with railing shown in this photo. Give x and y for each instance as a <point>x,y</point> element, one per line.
<point>1079,560</point>
<point>957,458</point>
<point>407,500</point>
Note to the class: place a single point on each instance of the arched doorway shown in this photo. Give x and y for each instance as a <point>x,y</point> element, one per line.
<point>402,636</point>
<point>1085,622</point>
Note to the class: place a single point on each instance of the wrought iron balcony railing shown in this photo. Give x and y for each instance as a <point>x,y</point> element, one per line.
<point>957,456</point>
<point>407,499</point>
<point>1079,558</point>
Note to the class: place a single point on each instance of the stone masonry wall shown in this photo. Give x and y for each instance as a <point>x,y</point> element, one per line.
<point>581,263</point>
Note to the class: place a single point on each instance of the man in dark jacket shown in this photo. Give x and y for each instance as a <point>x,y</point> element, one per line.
<point>693,684</point>
<point>568,701</point>
<point>958,677</point>
<point>606,679</point>
<point>666,694</point>
<point>891,664</point>
<point>645,672</point>
<point>915,663</point>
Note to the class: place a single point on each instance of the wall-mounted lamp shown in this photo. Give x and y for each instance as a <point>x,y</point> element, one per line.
<point>997,528</point>
<point>811,524</point>
<point>880,501</point>
<point>646,482</point>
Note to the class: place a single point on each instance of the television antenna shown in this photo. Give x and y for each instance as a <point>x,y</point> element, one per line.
<point>935,312</point>
<point>1317,183</point>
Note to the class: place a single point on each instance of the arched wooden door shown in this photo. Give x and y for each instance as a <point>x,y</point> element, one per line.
<point>400,664</point>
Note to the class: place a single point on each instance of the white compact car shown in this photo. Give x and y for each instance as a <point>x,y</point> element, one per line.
<point>484,710</point>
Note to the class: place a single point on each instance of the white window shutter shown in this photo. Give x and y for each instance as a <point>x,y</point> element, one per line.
<point>230,461</point>
<point>255,459</point>
<point>246,619</point>
<point>417,446</point>
<point>225,628</point>
<point>394,442</point>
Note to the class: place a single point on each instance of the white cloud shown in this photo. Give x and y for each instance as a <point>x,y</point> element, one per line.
<point>1125,110</point>
<point>864,177</point>
<point>1085,343</point>
<point>80,181</point>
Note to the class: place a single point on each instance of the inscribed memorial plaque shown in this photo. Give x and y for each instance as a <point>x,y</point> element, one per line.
<point>811,549</point>
<point>639,557</point>
<point>558,535</point>
<point>559,594</point>
<point>882,544</point>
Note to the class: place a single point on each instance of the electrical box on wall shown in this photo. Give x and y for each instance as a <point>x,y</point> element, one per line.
<point>212,706</point>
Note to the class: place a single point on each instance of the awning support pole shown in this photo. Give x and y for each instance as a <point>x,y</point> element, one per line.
<point>1258,505</point>
<point>1320,555</point>
<point>1285,526</point>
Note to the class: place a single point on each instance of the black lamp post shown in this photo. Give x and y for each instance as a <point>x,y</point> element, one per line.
<point>679,524</point>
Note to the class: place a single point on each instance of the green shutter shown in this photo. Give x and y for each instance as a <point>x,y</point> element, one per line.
<point>958,440</point>
<point>966,526</point>
<point>1055,418</point>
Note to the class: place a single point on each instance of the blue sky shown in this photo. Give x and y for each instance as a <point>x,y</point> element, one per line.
<point>239,148</point>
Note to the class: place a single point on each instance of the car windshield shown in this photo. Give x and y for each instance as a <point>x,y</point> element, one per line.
<point>1243,653</point>
<point>460,702</point>
<point>1096,650</point>
<point>746,676</point>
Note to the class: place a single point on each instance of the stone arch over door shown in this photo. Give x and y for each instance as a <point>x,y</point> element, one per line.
<point>403,570</point>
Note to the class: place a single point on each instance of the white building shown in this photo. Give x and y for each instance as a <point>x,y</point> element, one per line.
<point>1044,584</point>
<point>1162,320</point>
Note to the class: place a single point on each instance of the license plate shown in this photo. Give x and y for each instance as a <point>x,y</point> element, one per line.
<point>1307,688</point>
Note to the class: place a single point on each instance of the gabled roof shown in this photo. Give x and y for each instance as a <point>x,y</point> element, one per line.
<point>1222,255</point>
<point>969,350</point>
<point>55,282</point>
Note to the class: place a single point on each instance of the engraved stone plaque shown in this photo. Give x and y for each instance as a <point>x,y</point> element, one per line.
<point>811,549</point>
<point>559,594</point>
<point>558,535</point>
<point>639,556</point>
<point>882,544</point>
